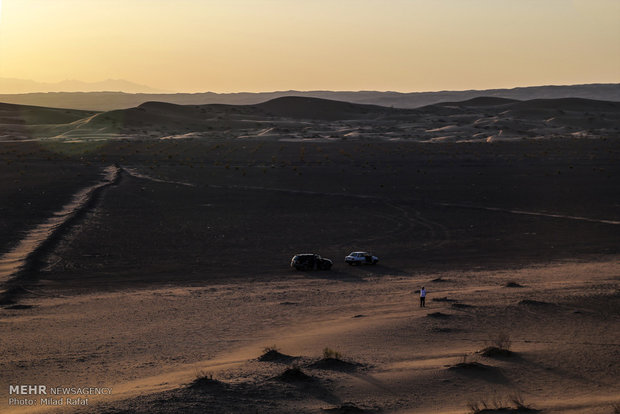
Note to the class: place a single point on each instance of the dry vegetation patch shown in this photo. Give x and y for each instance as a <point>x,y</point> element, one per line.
<point>205,381</point>
<point>273,354</point>
<point>511,405</point>
<point>332,360</point>
<point>347,408</point>
<point>499,346</point>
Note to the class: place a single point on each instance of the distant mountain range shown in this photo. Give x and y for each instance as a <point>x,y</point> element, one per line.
<point>19,86</point>
<point>106,101</point>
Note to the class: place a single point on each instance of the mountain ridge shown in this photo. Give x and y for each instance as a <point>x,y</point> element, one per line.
<point>26,86</point>
<point>104,101</point>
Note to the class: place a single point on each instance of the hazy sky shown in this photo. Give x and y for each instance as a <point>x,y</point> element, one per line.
<point>262,45</point>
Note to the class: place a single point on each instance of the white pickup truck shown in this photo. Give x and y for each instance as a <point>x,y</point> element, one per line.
<point>360,258</point>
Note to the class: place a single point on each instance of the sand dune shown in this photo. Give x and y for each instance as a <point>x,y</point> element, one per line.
<point>313,118</point>
<point>35,115</point>
<point>481,101</point>
<point>321,109</point>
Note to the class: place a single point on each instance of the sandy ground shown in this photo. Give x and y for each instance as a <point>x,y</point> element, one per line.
<point>180,269</point>
<point>148,344</point>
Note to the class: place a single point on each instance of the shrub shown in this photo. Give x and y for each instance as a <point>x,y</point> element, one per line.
<point>513,404</point>
<point>330,353</point>
<point>207,375</point>
<point>204,380</point>
<point>272,348</point>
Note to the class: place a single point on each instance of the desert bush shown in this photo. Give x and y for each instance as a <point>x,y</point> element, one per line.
<point>203,375</point>
<point>330,353</point>
<point>272,348</point>
<point>205,380</point>
<point>499,346</point>
<point>513,404</point>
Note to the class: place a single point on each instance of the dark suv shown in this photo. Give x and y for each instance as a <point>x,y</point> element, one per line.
<point>310,261</point>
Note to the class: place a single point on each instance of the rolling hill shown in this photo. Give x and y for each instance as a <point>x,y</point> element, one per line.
<point>285,118</point>
<point>105,101</point>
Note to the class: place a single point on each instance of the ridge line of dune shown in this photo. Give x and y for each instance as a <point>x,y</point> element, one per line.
<point>27,262</point>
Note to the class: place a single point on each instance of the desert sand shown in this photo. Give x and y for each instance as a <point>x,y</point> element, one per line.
<point>148,345</point>
<point>173,280</point>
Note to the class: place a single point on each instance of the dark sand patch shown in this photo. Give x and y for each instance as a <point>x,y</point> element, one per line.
<point>462,306</point>
<point>443,299</point>
<point>273,355</point>
<point>348,408</point>
<point>335,364</point>
<point>477,370</point>
<point>471,366</point>
<point>535,303</point>
<point>496,352</point>
<point>294,374</point>
<point>439,315</point>
<point>506,410</point>
<point>19,307</point>
<point>207,383</point>
<point>440,280</point>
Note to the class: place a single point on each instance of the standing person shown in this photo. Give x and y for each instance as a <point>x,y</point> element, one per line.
<point>423,297</point>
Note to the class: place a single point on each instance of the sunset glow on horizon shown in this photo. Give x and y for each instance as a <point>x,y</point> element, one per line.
<point>264,45</point>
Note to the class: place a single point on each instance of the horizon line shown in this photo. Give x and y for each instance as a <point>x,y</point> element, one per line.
<point>308,90</point>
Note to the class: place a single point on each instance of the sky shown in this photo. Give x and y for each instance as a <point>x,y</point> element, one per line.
<point>266,45</point>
